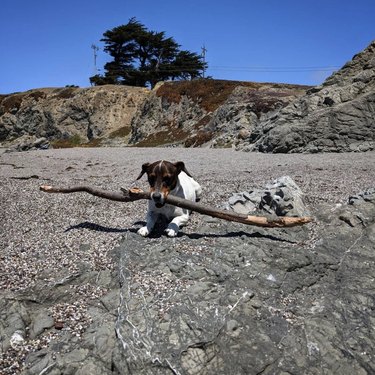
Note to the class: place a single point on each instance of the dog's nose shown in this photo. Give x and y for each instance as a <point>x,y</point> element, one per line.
<point>156,196</point>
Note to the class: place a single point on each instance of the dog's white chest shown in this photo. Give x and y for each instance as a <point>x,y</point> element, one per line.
<point>186,188</point>
<point>167,210</point>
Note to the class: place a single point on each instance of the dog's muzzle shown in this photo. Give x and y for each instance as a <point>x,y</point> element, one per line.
<point>158,199</point>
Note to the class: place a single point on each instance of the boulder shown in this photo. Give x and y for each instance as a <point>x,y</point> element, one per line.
<point>29,142</point>
<point>282,197</point>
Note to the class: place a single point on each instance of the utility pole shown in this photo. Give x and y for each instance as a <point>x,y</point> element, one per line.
<point>95,49</point>
<point>204,50</point>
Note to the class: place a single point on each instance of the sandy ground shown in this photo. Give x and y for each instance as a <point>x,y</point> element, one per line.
<point>44,236</point>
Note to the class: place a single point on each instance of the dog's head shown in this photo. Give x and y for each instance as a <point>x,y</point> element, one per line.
<point>163,178</point>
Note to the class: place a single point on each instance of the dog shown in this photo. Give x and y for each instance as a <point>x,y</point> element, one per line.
<point>167,178</point>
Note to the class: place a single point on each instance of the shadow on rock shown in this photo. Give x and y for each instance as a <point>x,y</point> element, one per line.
<point>241,233</point>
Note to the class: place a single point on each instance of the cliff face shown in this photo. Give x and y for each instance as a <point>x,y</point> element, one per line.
<point>207,112</point>
<point>188,114</point>
<point>68,116</point>
<point>337,116</point>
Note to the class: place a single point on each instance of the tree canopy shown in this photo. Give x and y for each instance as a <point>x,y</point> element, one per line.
<point>141,57</point>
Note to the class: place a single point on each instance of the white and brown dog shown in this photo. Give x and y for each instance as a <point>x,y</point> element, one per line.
<point>166,178</point>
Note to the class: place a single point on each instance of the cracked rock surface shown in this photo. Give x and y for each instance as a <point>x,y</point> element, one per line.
<point>82,293</point>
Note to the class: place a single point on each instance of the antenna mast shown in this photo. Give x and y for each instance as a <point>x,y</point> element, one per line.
<point>204,50</point>
<point>95,49</point>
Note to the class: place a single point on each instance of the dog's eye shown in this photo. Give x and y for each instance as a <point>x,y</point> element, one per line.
<point>167,181</point>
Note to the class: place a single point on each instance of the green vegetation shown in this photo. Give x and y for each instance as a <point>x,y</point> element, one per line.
<point>121,132</point>
<point>74,141</point>
<point>142,58</point>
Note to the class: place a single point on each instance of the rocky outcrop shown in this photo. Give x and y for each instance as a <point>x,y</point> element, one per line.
<point>221,301</point>
<point>215,113</point>
<point>337,116</point>
<point>82,293</point>
<point>238,116</point>
<point>68,116</point>
<point>247,303</point>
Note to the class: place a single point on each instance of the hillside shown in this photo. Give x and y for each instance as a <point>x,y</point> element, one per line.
<point>337,116</point>
<point>211,112</point>
<point>185,113</point>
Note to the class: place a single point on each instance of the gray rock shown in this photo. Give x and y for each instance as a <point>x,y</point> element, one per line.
<point>39,323</point>
<point>290,324</point>
<point>26,143</point>
<point>367,196</point>
<point>14,321</point>
<point>34,118</point>
<point>337,116</point>
<point>282,198</point>
<point>236,301</point>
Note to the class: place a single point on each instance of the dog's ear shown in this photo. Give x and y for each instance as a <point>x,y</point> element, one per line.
<point>180,165</point>
<point>144,170</point>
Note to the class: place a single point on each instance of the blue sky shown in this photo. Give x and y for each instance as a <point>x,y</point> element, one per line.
<point>48,43</point>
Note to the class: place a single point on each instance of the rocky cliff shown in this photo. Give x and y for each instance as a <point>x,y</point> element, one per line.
<point>189,113</point>
<point>68,116</point>
<point>214,113</point>
<point>337,116</point>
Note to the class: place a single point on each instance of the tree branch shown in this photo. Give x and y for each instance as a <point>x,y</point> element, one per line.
<point>131,195</point>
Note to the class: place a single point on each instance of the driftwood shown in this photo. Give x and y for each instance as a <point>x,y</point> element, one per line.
<point>134,194</point>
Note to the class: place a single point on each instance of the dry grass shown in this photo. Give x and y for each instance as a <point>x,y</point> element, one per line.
<point>13,102</point>
<point>202,137</point>
<point>210,94</point>
<point>75,141</point>
<point>164,137</point>
<point>121,132</point>
<point>65,93</point>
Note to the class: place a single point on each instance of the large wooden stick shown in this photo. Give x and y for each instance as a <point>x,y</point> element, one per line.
<point>131,195</point>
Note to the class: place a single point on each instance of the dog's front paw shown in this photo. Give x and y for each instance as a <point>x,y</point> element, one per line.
<point>143,231</point>
<point>171,232</point>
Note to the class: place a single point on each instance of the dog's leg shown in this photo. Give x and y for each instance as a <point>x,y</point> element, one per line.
<point>176,224</point>
<point>151,219</point>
